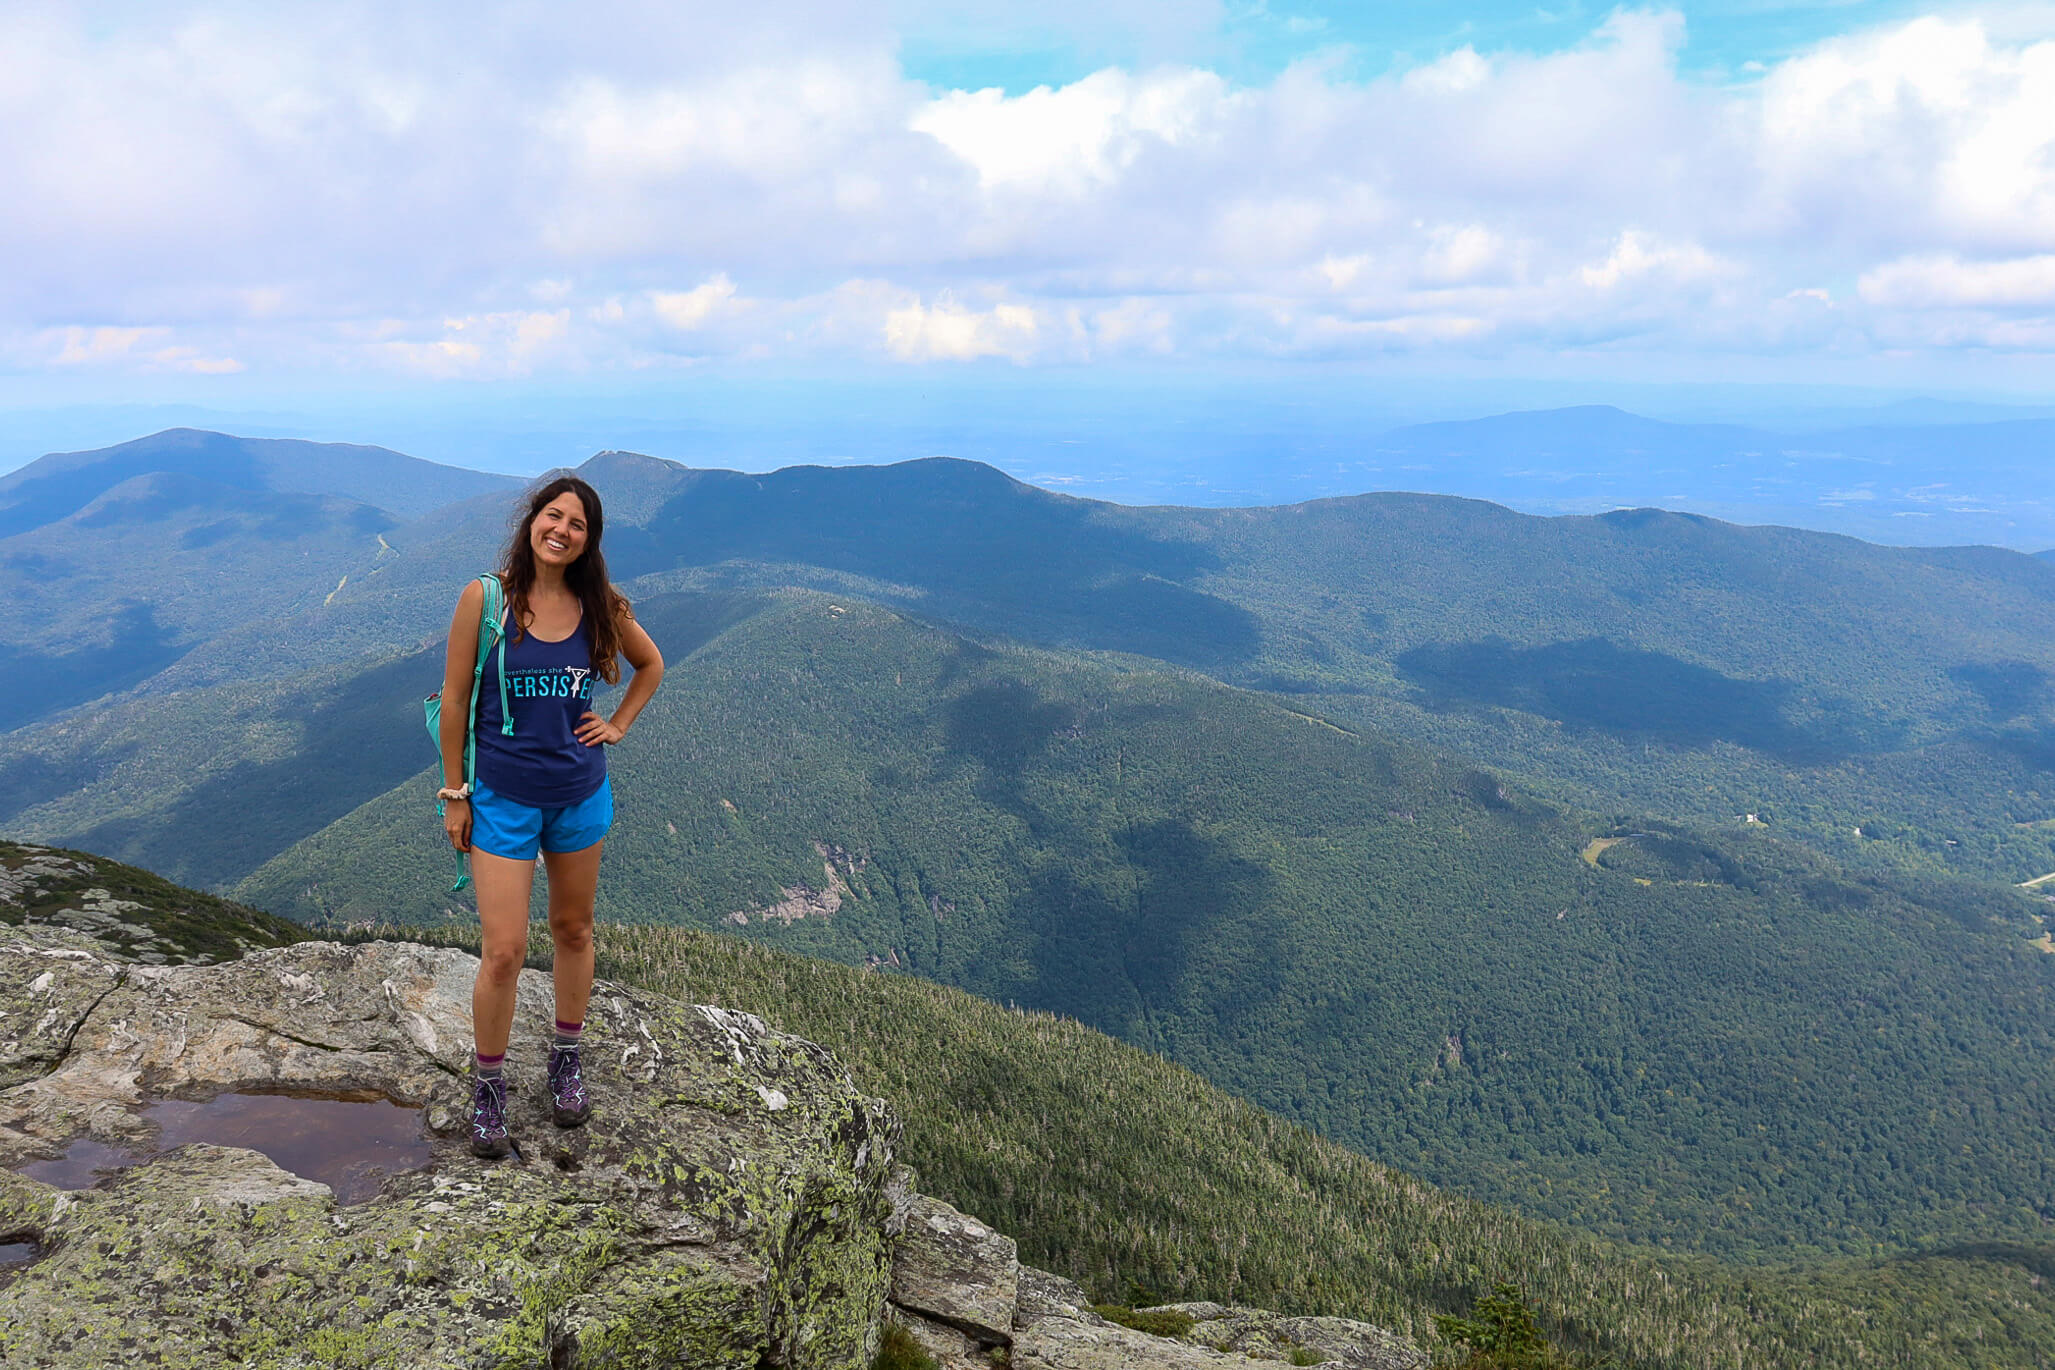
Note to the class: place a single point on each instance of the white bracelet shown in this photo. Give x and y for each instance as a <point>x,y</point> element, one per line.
<point>462,791</point>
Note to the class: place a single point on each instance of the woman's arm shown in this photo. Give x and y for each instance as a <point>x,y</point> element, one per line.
<point>457,667</point>
<point>648,664</point>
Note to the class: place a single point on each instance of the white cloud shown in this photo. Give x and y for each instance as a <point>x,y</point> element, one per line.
<point>140,347</point>
<point>508,343</point>
<point>1082,136</point>
<point>1947,282</point>
<point>948,331</point>
<point>1460,253</point>
<point>1342,272</point>
<point>689,309</point>
<point>84,346</point>
<point>1133,325</point>
<point>1459,71</point>
<point>379,184</point>
<point>1639,255</point>
<point>190,360</point>
<point>1924,134</point>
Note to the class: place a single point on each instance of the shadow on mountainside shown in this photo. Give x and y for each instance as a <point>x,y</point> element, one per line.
<point>1122,948</point>
<point>1597,686</point>
<point>1003,726</point>
<point>682,622</point>
<point>972,542</point>
<point>366,737</point>
<point>1119,940</point>
<point>2008,688</point>
<point>49,681</point>
<point>2033,748</point>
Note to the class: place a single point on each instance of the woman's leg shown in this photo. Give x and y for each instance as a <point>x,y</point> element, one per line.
<point>504,886</point>
<point>573,883</point>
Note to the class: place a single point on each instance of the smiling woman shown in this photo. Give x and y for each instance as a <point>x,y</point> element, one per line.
<point>540,776</point>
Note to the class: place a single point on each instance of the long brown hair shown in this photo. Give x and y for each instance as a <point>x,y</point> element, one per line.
<point>605,609</point>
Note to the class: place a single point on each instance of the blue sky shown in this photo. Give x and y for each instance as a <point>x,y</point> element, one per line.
<point>367,208</point>
<point>1253,42</point>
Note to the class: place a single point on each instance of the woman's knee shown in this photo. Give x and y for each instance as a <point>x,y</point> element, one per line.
<point>571,932</point>
<point>500,965</point>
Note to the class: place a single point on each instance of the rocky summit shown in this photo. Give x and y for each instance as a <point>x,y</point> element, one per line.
<point>728,1206</point>
<point>263,1163</point>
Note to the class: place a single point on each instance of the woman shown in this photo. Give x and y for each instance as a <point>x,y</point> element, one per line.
<point>542,786</point>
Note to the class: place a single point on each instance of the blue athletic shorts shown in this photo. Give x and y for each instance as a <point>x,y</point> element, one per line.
<point>502,827</point>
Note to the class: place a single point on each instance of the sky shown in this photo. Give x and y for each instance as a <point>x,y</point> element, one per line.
<point>366,208</point>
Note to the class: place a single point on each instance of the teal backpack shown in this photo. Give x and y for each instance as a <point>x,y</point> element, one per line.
<point>492,633</point>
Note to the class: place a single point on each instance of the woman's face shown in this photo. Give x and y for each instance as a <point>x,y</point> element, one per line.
<point>557,536</point>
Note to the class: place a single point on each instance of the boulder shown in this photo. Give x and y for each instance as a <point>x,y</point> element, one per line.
<point>1043,1296</point>
<point>953,1269</point>
<point>726,1206</point>
<point>1056,1329</point>
<point>1060,1344</point>
<point>952,1349</point>
<point>1275,1336</point>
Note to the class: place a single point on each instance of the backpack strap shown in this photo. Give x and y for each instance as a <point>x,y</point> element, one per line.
<point>492,632</point>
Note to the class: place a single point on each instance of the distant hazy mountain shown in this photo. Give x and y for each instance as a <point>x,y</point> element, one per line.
<point>1905,483</point>
<point>405,487</point>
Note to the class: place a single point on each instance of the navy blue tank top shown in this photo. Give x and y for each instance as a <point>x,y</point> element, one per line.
<point>549,688</point>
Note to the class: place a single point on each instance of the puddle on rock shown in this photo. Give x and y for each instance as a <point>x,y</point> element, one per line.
<point>350,1145</point>
<point>84,1164</point>
<point>13,1257</point>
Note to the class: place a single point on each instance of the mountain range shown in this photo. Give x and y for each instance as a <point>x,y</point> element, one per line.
<point>1641,870</point>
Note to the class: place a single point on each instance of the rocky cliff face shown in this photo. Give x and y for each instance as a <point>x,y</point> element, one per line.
<point>199,1166</point>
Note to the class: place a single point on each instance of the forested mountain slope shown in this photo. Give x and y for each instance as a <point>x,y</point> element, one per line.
<point>117,564</point>
<point>1718,1042</point>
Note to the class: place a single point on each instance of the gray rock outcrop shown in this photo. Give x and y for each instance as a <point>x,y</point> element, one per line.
<point>728,1207</point>
<point>952,1269</point>
<point>1337,1341</point>
<point>1056,1329</point>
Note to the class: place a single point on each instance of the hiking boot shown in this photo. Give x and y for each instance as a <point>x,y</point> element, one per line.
<point>489,1119</point>
<point>570,1105</point>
